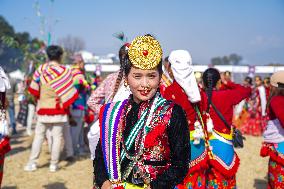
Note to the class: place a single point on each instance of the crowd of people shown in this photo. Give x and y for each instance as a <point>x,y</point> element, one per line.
<point>151,124</point>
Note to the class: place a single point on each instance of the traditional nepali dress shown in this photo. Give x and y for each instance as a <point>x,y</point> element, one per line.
<point>256,119</point>
<point>273,145</point>
<point>213,160</point>
<point>146,143</point>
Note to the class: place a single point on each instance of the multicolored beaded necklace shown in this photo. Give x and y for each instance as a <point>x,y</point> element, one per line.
<point>111,134</point>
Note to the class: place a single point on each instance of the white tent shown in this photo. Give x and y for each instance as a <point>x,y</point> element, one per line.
<point>17,74</point>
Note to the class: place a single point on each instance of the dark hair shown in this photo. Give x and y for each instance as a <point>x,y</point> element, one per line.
<point>54,52</point>
<point>267,80</point>
<point>121,54</point>
<point>166,59</point>
<point>259,77</point>
<point>127,64</point>
<point>228,73</point>
<point>249,80</point>
<point>210,78</point>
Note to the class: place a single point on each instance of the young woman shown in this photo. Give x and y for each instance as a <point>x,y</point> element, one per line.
<point>223,160</point>
<point>256,121</point>
<point>213,161</point>
<point>4,139</point>
<point>273,145</point>
<point>144,140</point>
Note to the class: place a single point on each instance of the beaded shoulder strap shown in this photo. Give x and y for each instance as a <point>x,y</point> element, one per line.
<point>110,137</point>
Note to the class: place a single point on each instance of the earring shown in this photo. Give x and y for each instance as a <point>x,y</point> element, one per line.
<point>125,83</point>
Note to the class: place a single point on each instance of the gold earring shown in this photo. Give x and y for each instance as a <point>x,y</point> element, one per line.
<point>125,83</point>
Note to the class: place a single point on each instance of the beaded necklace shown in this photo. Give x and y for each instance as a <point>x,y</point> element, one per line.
<point>142,126</point>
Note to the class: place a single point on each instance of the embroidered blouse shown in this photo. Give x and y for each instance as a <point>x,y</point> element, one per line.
<point>102,94</point>
<point>178,140</point>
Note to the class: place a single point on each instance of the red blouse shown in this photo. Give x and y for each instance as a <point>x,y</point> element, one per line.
<point>276,109</point>
<point>175,93</point>
<point>225,100</point>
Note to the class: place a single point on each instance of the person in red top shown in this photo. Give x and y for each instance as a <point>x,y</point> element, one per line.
<point>256,120</point>
<point>214,147</point>
<point>184,91</point>
<point>273,145</point>
<point>224,161</point>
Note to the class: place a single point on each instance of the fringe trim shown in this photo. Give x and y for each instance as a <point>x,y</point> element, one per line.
<point>199,163</point>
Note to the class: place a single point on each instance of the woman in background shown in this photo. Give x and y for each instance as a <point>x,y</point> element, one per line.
<point>4,139</point>
<point>256,120</point>
<point>223,160</point>
<point>273,145</point>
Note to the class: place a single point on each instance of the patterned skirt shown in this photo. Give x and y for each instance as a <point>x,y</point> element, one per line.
<point>216,180</point>
<point>275,175</point>
<point>195,180</point>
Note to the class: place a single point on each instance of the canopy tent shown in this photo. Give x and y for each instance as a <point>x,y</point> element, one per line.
<point>17,74</point>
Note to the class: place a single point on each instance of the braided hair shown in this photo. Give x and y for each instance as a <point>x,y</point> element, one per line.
<point>122,54</point>
<point>210,78</point>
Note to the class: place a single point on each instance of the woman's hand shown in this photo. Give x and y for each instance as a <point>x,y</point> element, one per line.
<point>106,185</point>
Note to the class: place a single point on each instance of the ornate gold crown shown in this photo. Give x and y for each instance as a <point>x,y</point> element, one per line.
<point>145,52</point>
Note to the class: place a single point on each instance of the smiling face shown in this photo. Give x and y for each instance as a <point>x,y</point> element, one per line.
<point>143,83</point>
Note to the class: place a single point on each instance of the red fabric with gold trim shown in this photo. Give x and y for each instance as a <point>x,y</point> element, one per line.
<point>156,144</point>
<point>226,171</point>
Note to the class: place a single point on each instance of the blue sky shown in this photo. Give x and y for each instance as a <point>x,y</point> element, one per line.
<point>253,29</point>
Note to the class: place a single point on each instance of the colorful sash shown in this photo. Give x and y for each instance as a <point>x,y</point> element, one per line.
<point>110,117</point>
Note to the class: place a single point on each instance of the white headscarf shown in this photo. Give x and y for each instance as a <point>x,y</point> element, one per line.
<point>4,81</point>
<point>181,64</point>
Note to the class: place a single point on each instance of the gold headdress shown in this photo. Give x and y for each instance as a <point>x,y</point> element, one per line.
<point>145,52</point>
